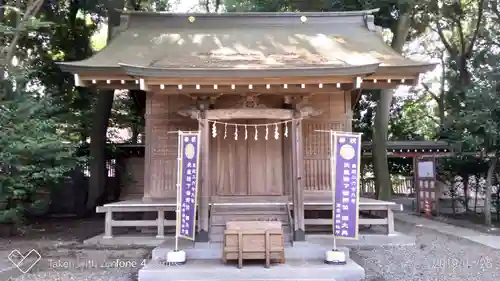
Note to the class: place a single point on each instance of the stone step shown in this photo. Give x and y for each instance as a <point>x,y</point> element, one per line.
<point>249,210</point>
<point>222,214</point>
<point>205,251</point>
<point>219,229</point>
<point>209,270</point>
<point>222,219</point>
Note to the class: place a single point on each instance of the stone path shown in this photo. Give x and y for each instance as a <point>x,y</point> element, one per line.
<point>488,240</point>
<point>442,253</point>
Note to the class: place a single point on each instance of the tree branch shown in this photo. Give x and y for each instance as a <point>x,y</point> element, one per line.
<point>32,9</point>
<point>480,10</point>
<point>427,89</point>
<point>463,44</point>
<point>446,44</point>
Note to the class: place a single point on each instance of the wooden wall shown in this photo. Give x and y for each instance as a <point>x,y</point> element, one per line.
<point>274,170</point>
<point>337,115</point>
<point>132,179</point>
<point>246,166</point>
<point>161,146</point>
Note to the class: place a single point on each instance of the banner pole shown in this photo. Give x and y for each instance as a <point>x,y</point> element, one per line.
<point>178,190</point>
<point>333,179</point>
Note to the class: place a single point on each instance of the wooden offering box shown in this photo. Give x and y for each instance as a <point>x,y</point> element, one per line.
<point>253,240</point>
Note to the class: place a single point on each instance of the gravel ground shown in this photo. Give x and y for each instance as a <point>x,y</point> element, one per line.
<point>84,275</point>
<point>87,265</point>
<point>435,257</point>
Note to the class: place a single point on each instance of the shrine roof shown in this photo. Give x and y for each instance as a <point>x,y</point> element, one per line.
<point>248,44</point>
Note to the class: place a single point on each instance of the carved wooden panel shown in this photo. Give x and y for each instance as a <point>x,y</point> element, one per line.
<point>161,143</point>
<point>317,169</point>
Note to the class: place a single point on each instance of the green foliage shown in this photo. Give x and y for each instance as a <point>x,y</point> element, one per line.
<point>479,120</point>
<point>35,150</point>
<point>413,119</point>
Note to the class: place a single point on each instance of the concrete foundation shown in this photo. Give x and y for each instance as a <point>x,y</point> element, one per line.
<point>303,261</point>
<point>322,240</point>
<point>213,251</point>
<point>214,270</point>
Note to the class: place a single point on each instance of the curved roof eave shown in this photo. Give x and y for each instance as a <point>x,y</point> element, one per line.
<point>145,71</point>
<point>415,69</point>
<point>73,67</point>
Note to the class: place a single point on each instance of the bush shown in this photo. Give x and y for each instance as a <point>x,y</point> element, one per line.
<point>35,150</point>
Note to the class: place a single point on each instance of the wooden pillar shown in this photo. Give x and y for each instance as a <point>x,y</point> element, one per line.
<point>204,199</point>
<point>293,176</point>
<point>148,142</point>
<point>297,181</point>
<point>300,183</point>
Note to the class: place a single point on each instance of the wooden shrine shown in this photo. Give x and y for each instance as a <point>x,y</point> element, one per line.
<point>257,86</point>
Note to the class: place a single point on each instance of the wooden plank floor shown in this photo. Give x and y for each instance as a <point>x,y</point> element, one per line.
<point>311,199</point>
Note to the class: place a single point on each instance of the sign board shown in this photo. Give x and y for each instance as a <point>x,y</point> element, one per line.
<point>425,169</point>
<point>188,173</point>
<point>427,190</point>
<point>346,168</point>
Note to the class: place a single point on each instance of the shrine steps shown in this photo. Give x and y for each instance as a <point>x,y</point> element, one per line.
<point>219,215</point>
<point>214,270</point>
<point>303,261</point>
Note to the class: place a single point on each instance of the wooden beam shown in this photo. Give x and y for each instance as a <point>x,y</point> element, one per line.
<point>241,89</point>
<point>143,85</point>
<point>256,89</point>
<point>249,80</point>
<point>250,113</point>
<point>78,81</point>
<point>393,76</point>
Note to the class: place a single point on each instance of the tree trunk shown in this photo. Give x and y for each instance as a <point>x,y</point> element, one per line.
<point>452,193</point>
<point>381,127</point>
<point>380,167</point>
<point>135,133</point>
<point>466,192</point>
<point>476,193</point>
<point>487,198</point>
<point>98,135</point>
<point>98,171</point>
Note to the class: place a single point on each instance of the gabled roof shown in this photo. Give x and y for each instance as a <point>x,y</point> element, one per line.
<point>249,44</point>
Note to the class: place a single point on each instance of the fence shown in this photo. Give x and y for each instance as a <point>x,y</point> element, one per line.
<point>400,185</point>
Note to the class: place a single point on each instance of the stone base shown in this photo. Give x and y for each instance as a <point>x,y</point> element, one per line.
<point>213,251</point>
<point>314,242</point>
<point>299,235</point>
<point>202,236</point>
<point>126,240</point>
<point>296,270</point>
